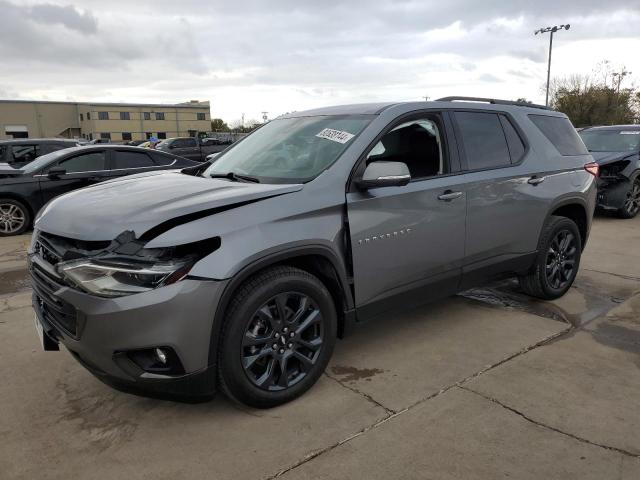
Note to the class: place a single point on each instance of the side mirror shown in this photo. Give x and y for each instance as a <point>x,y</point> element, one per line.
<point>56,172</point>
<point>384,174</point>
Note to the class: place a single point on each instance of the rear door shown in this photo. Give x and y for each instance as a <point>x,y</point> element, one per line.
<point>503,207</point>
<point>408,242</point>
<point>128,162</point>
<point>81,170</point>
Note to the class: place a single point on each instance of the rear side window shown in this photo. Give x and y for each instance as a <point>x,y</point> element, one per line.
<point>484,141</point>
<point>560,133</point>
<point>514,142</point>
<point>132,160</point>
<point>161,159</point>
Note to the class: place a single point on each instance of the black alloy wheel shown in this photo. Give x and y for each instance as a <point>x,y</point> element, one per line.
<point>282,341</point>
<point>561,260</point>
<point>631,205</point>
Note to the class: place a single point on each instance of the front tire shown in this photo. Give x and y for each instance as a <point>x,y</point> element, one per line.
<point>278,337</point>
<point>631,205</point>
<point>15,217</point>
<point>557,261</point>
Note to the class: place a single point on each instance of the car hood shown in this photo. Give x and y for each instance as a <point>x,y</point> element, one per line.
<point>141,202</point>
<point>604,158</point>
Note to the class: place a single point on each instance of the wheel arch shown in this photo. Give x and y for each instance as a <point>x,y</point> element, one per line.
<point>575,209</point>
<point>318,260</point>
<point>22,200</point>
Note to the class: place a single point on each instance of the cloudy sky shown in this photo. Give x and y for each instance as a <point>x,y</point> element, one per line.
<point>249,56</point>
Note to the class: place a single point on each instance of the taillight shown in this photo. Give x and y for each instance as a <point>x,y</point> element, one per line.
<point>593,168</point>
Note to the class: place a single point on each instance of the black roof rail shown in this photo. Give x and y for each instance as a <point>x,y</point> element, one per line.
<point>493,101</point>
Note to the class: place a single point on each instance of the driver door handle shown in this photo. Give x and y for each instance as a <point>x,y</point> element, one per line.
<point>535,180</point>
<point>449,195</point>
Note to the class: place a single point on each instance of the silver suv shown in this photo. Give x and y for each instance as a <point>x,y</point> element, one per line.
<point>240,274</point>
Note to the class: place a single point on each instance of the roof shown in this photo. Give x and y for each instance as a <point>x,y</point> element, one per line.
<point>612,127</point>
<point>377,108</point>
<point>115,104</point>
<point>38,140</point>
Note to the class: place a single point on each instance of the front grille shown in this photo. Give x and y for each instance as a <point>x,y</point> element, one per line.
<point>52,308</point>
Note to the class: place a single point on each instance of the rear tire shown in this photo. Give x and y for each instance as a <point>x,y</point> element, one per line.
<point>557,261</point>
<point>279,333</point>
<point>631,205</point>
<point>15,217</point>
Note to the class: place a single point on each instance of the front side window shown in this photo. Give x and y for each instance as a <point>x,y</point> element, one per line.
<point>132,160</point>
<point>612,140</point>
<point>484,141</point>
<point>417,143</point>
<point>24,153</point>
<point>87,162</point>
<point>291,150</point>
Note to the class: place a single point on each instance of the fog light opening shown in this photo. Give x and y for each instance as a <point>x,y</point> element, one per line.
<point>162,357</point>
<point>160,360</point>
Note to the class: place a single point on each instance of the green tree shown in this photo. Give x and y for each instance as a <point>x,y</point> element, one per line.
<point>596,99</point>
<point>219,125</point>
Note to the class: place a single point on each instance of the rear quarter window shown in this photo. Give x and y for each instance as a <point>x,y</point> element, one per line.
<point>560,132</point>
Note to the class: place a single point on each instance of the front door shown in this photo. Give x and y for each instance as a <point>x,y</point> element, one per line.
<point>79,171</point>
<point>408,242</point>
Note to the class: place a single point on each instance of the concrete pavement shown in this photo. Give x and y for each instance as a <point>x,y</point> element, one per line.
<point>486,385</point>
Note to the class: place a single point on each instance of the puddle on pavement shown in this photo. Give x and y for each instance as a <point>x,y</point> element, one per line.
<point>351,374</point>
<point>507,294</point>
<point>14,281</point>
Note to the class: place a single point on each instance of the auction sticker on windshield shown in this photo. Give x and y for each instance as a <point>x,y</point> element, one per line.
<point>335,135</point>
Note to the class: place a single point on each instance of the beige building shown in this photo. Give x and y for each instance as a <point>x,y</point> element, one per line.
<point>117,122</point>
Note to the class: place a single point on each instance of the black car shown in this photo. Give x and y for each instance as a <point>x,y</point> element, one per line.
<point>18,153</point>
<point>616,149</point>
<point>24,192</point>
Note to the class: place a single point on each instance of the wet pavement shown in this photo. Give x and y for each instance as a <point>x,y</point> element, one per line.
<point>487,384</point>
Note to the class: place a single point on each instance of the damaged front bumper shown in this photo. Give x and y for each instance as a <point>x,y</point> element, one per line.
<point>115,338</point>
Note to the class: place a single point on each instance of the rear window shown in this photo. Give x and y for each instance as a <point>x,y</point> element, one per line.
<point>561,134</point>
<point>126,159</point>
<point>484,141</point>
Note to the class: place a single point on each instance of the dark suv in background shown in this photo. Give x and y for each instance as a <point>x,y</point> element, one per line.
<point>616,149</point>
<point>18,153</point>
<point>242,273</point>
<point>193,148</point>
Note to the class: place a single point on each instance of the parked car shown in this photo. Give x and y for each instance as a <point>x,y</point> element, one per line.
<point>18,153</point>
<point>192,148</point>
<point>617,150</point>
<point>135,143</point>
<point>23,192</point>
<point>241,274</point>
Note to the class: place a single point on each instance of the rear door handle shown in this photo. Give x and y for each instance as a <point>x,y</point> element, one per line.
<point>449,195</point>
<point>535,180</point>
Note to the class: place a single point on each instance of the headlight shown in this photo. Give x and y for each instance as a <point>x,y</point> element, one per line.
<point>117,280</point>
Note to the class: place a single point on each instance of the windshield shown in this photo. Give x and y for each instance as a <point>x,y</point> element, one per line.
<point>291,150</point>
<point>611,140</point>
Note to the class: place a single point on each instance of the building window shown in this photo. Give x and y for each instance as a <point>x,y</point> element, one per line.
<point>126,136</point>
<point>193,133</point>
<point>148,135</point>
<point>88,115</point>
<point>105,136</point>
<point>159,115</point>
<point>103,115</point>
<point>202,116</point>
<point>81,119</point>
<point>162,135</point>
<point>147,115</point>
<point>124,116</point>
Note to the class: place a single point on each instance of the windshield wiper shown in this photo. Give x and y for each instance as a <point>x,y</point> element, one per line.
<point>235,177</point>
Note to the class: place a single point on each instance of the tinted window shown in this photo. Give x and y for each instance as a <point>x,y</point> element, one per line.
<point>611,140</point>
<point>24,153</point>
<point>184,143</point>
<point>514,142</point>
<point>416,143</point>
<point>560,133</point>
<point>87,162</point>
<point>483,139</point>
<point>132,160</point>
<point>162,159</point>
<point>103,115</point>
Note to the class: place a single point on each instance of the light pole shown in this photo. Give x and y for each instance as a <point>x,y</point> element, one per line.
<point>551,30</point>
